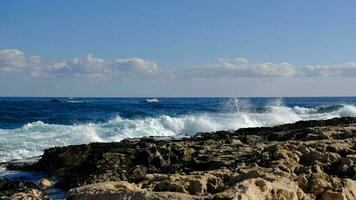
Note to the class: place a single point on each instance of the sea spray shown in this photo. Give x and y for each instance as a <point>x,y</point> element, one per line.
<point>32,138</point>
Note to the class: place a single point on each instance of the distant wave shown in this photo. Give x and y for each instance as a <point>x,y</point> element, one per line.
<point>152,100</point>
<point>65,100</point>
<point>32,138</point>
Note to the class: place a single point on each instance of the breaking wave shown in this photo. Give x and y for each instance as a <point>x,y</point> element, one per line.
<point>31,139</point>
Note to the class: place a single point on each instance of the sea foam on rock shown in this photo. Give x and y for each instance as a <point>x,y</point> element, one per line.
<point>304,160</point>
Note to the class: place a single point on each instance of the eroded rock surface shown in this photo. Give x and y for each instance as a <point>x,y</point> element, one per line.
<point>19,190</point>
<point>305,160</point>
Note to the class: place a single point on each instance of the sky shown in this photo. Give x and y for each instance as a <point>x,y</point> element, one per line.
<point>184,48</point>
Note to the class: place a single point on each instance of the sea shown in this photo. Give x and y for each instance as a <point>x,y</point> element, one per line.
<point>28,125</point>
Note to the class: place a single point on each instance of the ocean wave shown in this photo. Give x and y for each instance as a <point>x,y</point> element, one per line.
<point>31,139</point>
<point>347,111</point>
<point>303,110</point>
<point>66,100</point>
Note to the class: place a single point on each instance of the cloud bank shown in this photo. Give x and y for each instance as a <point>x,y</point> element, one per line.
<point>340,70</point>
<point>239,67</point>
<point>14,60</point>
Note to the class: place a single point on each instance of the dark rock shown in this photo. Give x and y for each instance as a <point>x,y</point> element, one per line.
<point>312,156</point>
<point>13,189</point>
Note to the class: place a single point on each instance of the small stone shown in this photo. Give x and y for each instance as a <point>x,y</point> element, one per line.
<point>334,157</point>
<point>317,169</point>
<point>284,168</point>
<point>303,182</point>
<point>332,195</point>
<point>318,183</point>
<point>261,184</point>
<point>250,175</point>
<point>197,187</point>
<point>236,142</point>
<point>280,155</point>
<point>45,183</point>
<point>138,174</point>
<point>266,156</point>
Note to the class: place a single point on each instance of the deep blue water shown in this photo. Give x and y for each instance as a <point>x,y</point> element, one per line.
<point>16,112</point>
<point>29,125</point>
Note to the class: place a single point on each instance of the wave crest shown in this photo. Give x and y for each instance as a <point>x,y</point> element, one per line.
<point>32,138</point>
<point>347,111</point>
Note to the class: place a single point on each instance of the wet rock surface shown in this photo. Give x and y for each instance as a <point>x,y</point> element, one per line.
<point>304,160</point>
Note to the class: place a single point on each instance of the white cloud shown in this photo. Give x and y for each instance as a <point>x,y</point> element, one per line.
<point>134,65</point>
<point>239,67</point>
<point>90,66</point>
<point>347,69</point>
<point>35,60</point>
<point>12,59</point>
<point>242,67</point>
<point>15,60</point>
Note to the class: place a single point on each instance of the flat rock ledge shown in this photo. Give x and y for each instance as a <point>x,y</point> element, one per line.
<point>305,160</point>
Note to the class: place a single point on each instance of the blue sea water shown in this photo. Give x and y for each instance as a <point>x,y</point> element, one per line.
<point>29,125</point>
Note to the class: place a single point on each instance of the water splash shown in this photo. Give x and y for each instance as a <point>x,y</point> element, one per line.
<point>236,105</point>
<point>31,139</point>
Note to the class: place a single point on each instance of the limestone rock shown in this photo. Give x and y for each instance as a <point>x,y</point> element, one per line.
<point>45,183</point>
<point>19,190</point>
<point>122,190</point>
<point>304,160</point>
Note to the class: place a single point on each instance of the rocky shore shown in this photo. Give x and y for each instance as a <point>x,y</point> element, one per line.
<point>304,160</point>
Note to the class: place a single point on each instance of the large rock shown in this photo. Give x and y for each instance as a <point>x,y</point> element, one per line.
<point>346,192</point>
<point>122,190</point>
<point>19,190</point>
<point>304,160</point>
<point>280,188</point>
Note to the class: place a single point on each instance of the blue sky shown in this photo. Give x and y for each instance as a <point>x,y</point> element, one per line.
<point>177,48</point>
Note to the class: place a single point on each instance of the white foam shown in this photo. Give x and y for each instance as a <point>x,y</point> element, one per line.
<point>347,111</point>
<point>152,100</point>
<point>234,105</point>
<point>302,110</point>
<point>31,139</point>
<point>276,102</point>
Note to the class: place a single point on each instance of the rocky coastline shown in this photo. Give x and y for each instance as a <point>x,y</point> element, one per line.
<point>305,160</point>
